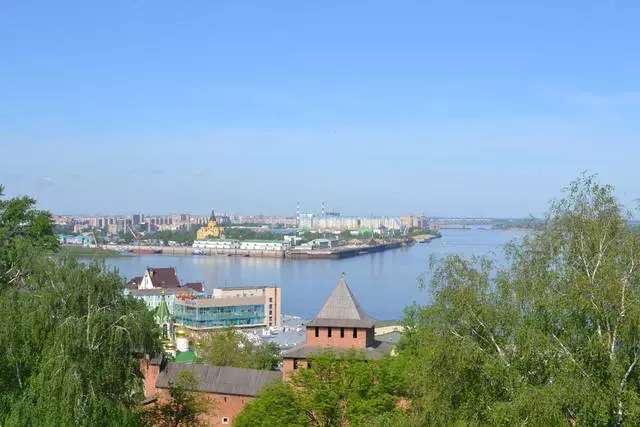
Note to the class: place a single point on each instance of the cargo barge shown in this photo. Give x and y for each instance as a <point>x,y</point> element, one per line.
<point>145,251</point>
<point>342,252</point>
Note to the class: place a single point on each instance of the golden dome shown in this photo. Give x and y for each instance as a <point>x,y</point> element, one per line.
<point>170,346</point>
<point>181,332</point>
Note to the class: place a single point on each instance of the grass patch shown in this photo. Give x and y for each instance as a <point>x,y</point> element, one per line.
<point>81,251</point>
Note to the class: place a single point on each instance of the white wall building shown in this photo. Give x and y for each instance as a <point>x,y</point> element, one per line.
<point>248,245</point>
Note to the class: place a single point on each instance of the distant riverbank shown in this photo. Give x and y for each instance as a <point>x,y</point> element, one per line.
<point>383,282</point>
<point>90,252</point>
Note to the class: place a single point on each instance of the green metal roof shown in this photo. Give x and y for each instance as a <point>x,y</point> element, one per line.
<point>186,357</point>
<point>162,312</point>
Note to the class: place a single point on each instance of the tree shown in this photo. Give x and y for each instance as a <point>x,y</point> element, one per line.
<point>332,391</point>
<point>71,340</point>
<point>344,390</point>
<point>552,338</point>
<point>277,405</point>
<point>183,408</point>
<point>230,347</point>
<point>24,232</point>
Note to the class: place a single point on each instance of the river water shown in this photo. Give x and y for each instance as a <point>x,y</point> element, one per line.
<point>383,282</point>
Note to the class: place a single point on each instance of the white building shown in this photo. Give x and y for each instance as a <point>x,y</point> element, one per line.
<point>248,245</point>
<point>336,222</point>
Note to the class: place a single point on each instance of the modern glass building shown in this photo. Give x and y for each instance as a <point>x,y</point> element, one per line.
<point>240,306</point>
<point>191,314</point>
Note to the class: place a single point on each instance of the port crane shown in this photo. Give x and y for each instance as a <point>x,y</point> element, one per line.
<point>137,236</point>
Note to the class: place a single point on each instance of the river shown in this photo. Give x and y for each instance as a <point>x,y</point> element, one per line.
<point>383,282</point>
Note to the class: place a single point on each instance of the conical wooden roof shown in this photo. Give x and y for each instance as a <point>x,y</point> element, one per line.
<point>342,310</point>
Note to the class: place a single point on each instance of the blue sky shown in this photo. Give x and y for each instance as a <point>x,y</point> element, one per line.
<point>437,107</point>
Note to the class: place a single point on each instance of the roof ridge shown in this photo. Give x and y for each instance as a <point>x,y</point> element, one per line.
<point>342,304</point>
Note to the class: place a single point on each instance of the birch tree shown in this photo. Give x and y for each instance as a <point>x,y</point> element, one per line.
<point>550,339</point>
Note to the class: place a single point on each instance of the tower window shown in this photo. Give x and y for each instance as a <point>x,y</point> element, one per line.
<point>355,332</point>
<point>341,332</point>
<point>329,333</point>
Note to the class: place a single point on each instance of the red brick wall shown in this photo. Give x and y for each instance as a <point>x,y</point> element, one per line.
<point>150,373</point>
<point>288,364</point>
<point>364,339</point>
<point>222,405</point>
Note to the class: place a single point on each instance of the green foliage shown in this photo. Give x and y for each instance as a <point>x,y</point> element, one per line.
<point>89,252</point>
<point>71,339</point>
<point>551,339</point>
<point>230,347</point>
<point>183,237</point>
<point>530,223</point>
<point>414,231</point>
<point>277,405</point>
<point>184,407</point>
<point>343,390</point>
<point>332,391</point>
<point>63,229</point>
<point>24,232</point>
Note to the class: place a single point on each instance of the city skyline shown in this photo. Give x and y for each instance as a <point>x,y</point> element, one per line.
<point>439,108</point>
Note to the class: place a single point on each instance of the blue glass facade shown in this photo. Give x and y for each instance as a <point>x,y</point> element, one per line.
<point>211,317</point>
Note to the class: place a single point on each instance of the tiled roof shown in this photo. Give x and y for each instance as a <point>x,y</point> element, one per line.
<point>342,309</point>
<point>134,282</point>
<point>164,277</point>
<point>219,379</point>
<point>196,286</point>
<point>375,352</point>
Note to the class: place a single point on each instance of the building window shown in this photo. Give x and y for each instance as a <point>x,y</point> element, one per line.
<point>225,398</point>
<point>225,420</point>
<point>270,312</point>
<point>329,332</point>
<point>270,306</point>
<point>270,319</point>
<point>317,332</point>
<point>295,363</point>
<point>355,333</point>
<point>341,332</point>
<point>270,299</point>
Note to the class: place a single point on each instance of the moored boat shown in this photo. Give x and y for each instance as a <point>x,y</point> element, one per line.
<point>146,251</point>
